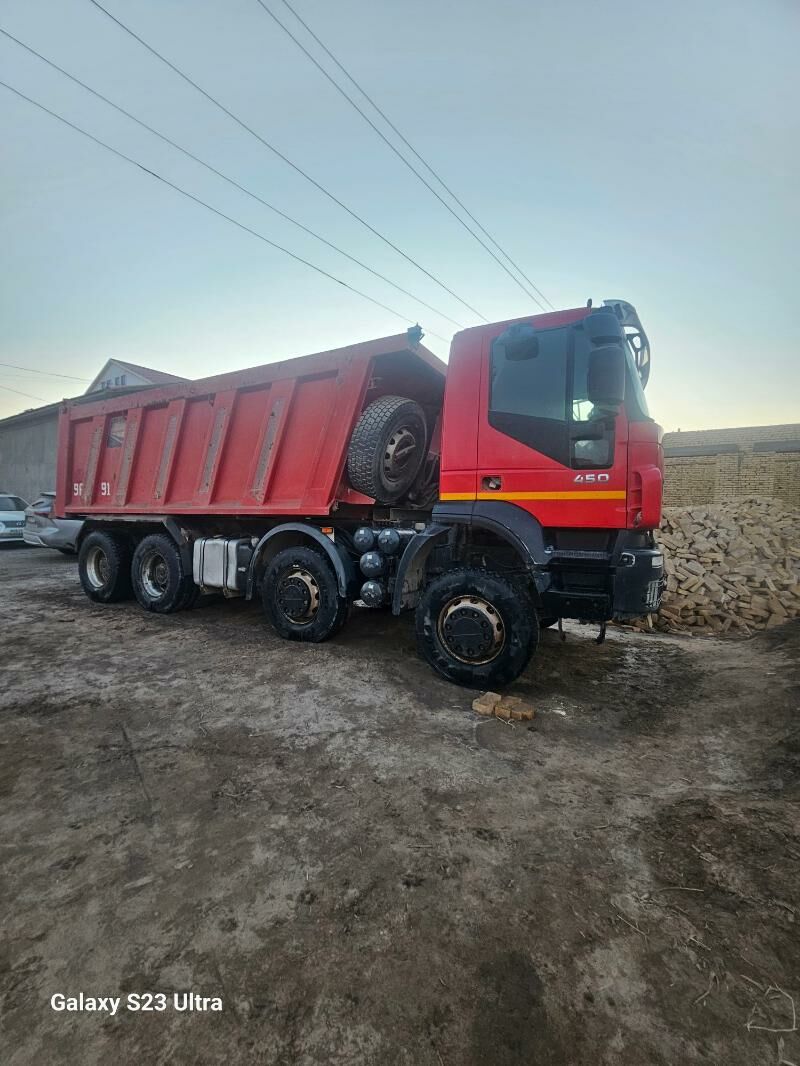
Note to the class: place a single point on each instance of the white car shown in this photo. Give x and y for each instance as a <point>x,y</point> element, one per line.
<point>12,518</point>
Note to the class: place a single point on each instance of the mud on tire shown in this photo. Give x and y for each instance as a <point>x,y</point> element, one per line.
<point>387,448</point>
<point>476,628</point>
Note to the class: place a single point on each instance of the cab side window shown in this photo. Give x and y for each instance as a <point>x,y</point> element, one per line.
<point>528,393</point>
<point>539,395</point>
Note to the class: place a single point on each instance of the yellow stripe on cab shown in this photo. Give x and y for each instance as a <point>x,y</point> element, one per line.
<point>579,494</point>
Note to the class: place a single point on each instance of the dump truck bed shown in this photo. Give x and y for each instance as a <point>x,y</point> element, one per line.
<point>264,441</point>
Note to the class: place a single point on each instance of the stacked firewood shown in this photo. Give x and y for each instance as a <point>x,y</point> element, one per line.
<point>731,568</point>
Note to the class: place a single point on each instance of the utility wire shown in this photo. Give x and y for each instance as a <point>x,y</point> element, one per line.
<point>47,373</point>
<point>285,159</point>
<point>413,150</point>
<point>230,181</point>
<point>202,203</point>
<point>402,158</point>
<point>28,394</point>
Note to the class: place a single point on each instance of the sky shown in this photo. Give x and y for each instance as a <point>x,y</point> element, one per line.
<point>647,152</point>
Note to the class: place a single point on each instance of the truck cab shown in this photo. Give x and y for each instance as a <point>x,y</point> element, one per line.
<point>547,442</point>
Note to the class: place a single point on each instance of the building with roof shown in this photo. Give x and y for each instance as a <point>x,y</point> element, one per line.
<point>119,374</point>
<point>714,465</point>
<point>29,441</point>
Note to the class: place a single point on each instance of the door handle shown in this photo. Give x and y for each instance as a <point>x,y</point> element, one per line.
<point>492,483</point>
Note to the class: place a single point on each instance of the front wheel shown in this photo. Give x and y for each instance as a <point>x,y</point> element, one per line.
<point>475,627</point>
<point>300,596</point>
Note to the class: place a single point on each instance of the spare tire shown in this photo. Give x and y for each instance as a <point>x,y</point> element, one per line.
<point>387,448</point>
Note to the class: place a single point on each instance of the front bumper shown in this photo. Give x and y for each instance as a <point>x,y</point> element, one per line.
<point>597,586</point>
<point>638,583</point>
<point>9,536</point>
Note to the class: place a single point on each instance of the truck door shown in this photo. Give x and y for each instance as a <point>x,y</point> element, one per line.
<point>541,444</point>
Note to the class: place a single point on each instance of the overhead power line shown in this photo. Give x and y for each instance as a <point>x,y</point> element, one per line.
<point>285,159</point>
<point>530,285</point>
<point>202,203</point>
<point>28,394</point>
<point>230,181</point>
<point>47,373</point>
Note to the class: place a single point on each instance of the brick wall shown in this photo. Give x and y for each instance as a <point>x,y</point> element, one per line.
<point>742,467</point>
<point>746,436</point>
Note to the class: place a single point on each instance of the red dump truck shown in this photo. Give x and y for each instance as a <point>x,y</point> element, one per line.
<point>514,486</point>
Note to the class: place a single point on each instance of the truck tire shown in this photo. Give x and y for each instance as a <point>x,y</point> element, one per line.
<point>159,581</point>
<point>104,567</point>
<point>387,448</point>
<point>300,596</point>
<point>476,628</point>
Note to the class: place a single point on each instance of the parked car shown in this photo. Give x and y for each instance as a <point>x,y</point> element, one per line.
<point>12,517</point>
<point>44,530</point>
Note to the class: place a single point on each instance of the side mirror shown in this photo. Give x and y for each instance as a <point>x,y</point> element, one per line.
<point>519,342</point>
<point>605,379</point>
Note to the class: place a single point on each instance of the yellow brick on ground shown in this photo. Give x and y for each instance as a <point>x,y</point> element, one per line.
<point>732,568</point>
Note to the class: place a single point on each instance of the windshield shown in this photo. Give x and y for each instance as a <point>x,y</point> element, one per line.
<point>12,503</point>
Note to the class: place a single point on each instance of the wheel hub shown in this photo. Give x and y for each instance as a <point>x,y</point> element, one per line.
<point>155,575</point>
<point>97,568</point>
<point>298,597</point>
<point>471,630</point>
<point>399,454</point>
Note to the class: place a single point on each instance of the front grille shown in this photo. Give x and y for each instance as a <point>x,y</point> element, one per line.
<point>587,580</point>
<point>572,554</point>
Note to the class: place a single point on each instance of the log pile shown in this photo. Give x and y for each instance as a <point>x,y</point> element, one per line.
<point>731,568</point>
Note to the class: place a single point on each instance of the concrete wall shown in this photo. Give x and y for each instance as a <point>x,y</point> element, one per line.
<point>28,454</point>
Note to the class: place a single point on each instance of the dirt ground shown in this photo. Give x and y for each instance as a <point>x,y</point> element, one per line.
<point>364,871</point>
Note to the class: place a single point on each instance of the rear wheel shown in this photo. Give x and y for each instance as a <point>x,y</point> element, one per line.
<point>160,583</point>
<point>104,567</point>
<point>300,596</point>
<point>476,628</point>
